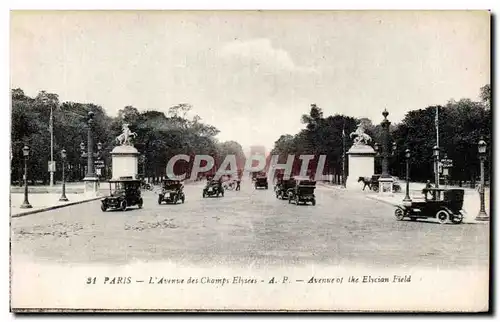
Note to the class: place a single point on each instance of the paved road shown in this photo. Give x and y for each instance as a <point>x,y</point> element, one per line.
<point>249,227</point>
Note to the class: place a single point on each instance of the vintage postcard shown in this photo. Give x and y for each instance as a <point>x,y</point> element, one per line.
<point>250,161</point>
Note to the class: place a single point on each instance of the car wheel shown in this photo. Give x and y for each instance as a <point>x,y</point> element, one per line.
<point>314,202</point>
<point>103,207</point>
<point>297,200</point>
<point>183,199</point>
<point>442,216</point>
<point>277,195</point>
<point>160,199</point>
<point>375,188</point>
<point>204,194</point>
<point>399,213</point>
<point>123,205</point>
<point>175,200</point>
<point>139,204</point>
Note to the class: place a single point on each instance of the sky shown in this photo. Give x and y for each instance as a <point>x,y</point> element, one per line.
<point>253,74</point>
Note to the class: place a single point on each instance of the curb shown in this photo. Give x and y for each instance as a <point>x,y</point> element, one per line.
<point>332,186</point>
<point>392,203</point>
<point>31,212</point>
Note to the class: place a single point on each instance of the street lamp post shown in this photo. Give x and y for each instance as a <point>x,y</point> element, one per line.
<point>63,159</point>
<point>26,153</point>
<point>97,155</point>
<point>385,150</point>
<point>435,151</point>
<point>482,216</point>
<point>91,180</point>
<point>407,198</point>
<point>385,145</point>
<point>90,147</point>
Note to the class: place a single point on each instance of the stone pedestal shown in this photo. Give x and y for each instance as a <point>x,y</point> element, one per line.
<point>124,161</point>
<point>361,164</point>
<point>385,185</point>
<point>91,186</point>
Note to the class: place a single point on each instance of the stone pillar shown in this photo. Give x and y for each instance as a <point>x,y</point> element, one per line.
<point>361,164</point>
<point>125,162</point>
<point>386,185</point>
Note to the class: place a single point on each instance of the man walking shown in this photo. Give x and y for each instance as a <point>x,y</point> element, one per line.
<point>238,181</point>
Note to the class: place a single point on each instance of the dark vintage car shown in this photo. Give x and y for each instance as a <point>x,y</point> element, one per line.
<point>445,205</point>
<point>123,193</point>
<point>172,192</point>
<point>375,185</point>
<point>261,182</point>
<point>213,188</point>
<point>303,192</point>
<point>282,186</point>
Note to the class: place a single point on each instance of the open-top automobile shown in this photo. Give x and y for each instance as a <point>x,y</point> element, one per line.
<point>213,189</point>
<point>282,186</point>
<point>172,192</point>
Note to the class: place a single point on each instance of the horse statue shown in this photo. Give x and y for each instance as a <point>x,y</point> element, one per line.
<point>124,138</point>
<point>360,137</point>
<point>367,181</point>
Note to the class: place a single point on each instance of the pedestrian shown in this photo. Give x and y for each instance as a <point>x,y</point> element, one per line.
<point>428,185</point>
<point>238,180</point>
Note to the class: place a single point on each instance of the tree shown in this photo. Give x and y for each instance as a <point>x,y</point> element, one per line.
<point>486,95</point>
<point>158,137</point>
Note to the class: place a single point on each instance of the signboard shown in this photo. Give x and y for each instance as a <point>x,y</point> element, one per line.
<point>99,164</point>
<point>52,166</point>
<point>447,163</point>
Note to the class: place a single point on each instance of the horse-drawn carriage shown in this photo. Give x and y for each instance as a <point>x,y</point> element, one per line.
<point>442,204</point>
<point>123,193</point>
<point>282,186</point>
<point>172,191</point>
<point>373,184</point>
<point>302,192</point>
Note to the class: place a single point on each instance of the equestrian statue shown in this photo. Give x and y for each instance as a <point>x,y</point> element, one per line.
<point>124,138</point>
<point>360,137</point>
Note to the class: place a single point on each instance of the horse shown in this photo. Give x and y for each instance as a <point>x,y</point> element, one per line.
<point>124,138</point>
<point>367,181</point>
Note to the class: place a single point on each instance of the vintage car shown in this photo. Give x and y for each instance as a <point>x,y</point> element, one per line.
<point>123,193</point>
<point>282,187</point>
<point>213,188</point>
<point>303,192</point>
<point>374,184</point>
<point>442,204</point>
<point>172,191</point>
<point>261,182</point>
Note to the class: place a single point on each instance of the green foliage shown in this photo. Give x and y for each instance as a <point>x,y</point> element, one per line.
<point>158,136</point>
<point>461,125</point>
